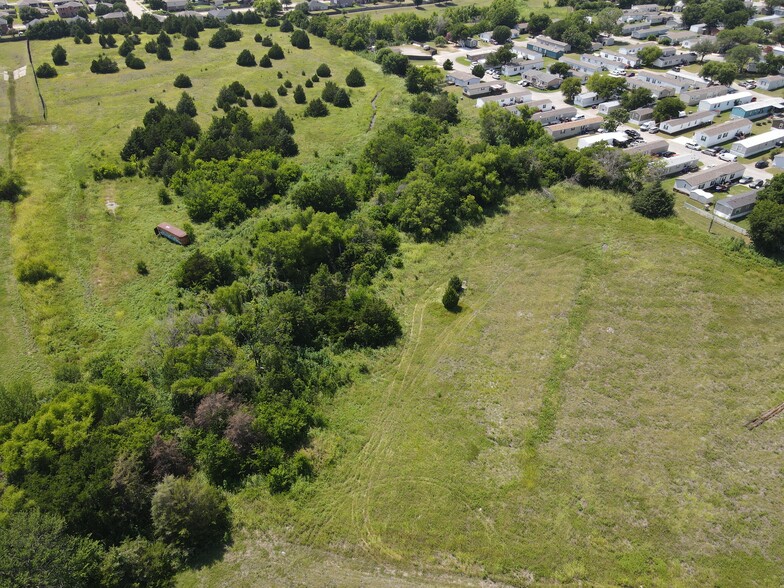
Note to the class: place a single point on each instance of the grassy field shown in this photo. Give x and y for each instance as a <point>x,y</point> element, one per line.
<point>580,420</point>
<point>526,7</point>
<point>101,302</point>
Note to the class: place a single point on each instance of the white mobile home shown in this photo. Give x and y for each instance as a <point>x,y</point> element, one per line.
<point>705,179</point>
<point>726,102</point>
<point>461,79</point>
<point>625,60</point>
<point>587,99</point>
<point>608,107</point>
<point>693,97</point>
<point>518,66</point>
<point>655,146</point>
<point>771,83</point>
<point>612,139</point>
<point>736,207</point>
<point>671,166</point>
<point>510,99</point>
<point>658,92</point>
<point>574,128</point>
<point>557,115</point>
<point>678,125</point>
<point>757,144</point>
<point>664,80</point>
<point>722,133</point>
<point>759,109</point>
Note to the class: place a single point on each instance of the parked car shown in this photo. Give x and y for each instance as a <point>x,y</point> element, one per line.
<point>632,133</point>
<point>669,154</point>
<point>780,143</point>
<point>710,151</point>
<point>746,180</point>
<point>693,145</point>
<point>728,157</point>
<point>757,185</point>
<point>721,188</point>
<point>720,150</point>
<point>653,129</point>
<point>645,126</point>
<point>676,68</point>
<point>578,117</point>
<point>761,164</point>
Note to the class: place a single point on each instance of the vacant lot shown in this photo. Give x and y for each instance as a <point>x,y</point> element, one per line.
<point>101,302</point>
<point>581,418</point>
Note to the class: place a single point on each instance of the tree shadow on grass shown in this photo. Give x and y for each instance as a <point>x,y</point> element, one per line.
<point>210,555</point>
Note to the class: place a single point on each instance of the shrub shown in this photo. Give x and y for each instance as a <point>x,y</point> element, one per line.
<point>355,79</point>
<point>328,93</point>
<point>267,100</point>
<point>246,59</point>
<point>323,71</point>
<point>300,39</point>
<point>288,84</point>
<point>450,299</point>
<point>257,37</point>
<point>217,41</point>
<point>341,99</point>
<point>133,62</point>
<point>126,47</point>
<point>46,70</point>
<point>256,99</point>
<point>287,27</point>
<point>299,95</point>
<point>164,39</point>
<point>191,44</point>
<point>308,83</point>
<point>265,61</point>
<point>272,22</point>
<point>163,53</point>
<point>448,65</point>
<point>164,197</point>
<point>104,65</point>
<point>182,81</point>
<point>189,513</point>
<point>139,562</point>
<point>33,271</point>
<point>316,109</point>
<point>11,185</point>
<point>653,201</point>
<point>282,91</point>
<point>141,268</point>
<point>59,55</point>
<point>314,78</point>
<point>275,52</point>
<point>151,47</point>
<point>186,105</point>
<point>266,41</point>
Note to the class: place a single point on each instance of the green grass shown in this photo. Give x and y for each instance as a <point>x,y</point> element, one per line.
<point>580,420</point>
<point>101,302</point>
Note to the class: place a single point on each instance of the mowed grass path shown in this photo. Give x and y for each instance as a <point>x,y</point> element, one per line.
<point>101,302</point>
<point>581,419</point>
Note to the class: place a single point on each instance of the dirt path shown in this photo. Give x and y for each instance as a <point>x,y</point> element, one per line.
<point>373,106</point>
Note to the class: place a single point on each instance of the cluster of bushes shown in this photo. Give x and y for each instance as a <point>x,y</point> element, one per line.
<point>335,95</point>
<point>104,65</point>
<point>224,35</point>
<point>11,185</point>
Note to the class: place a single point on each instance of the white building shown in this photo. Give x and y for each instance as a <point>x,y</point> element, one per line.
<point>669,166</point>
<point>461,79</point>
<point>726,102</point>
<point>679,85</point>
<point>771,83</point>
<point>510,99</point>
<point>625,60</point>
<point>573,128</point>
<point>556,115</point>
<point>678,125</point>
<point>587,99</point>
<point>693,97</point>
<point>612,139</point>
<point>707,178</point>
<point>735,207</point>
<point>608,107</point>
<point>518,66</point>
<point>722,133</point>
<point>757,144</point>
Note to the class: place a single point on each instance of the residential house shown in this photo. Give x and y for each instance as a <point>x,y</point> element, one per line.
<point>678,37</point>
<point>480,55</point>
<point>759,109</point>
<point>678,125</point>
<point>620,59</point>
<point>651,148</point>
<point>771,83</point>
<point>69,9</point>
<point>543,80</point>
<point>670,166</point>
<point>175,5</point>
<point>629,28</point>
<point>641,115</point>
<point>557,115</point>
<point>608,107</point>
<point>675,59</point>
<point>735,207</point>
<point>602,62</point>
<point>664,80</point>
<point>540,105</point>
<point>548,47</point>
<point>612,139</point>
<point>518,66</point>
<point>778,160</point>
<point>690,43</point>
<point>469,43</point>
<point>650,32</point>
<point>574,128</point>
<point>487,36</point>
<point>587,99</point>
<point>581,67</point>
<point>517,97</point>
<point>723,132</point>
<point>482,89</point>
<point>114,16</point>
<point>699,28</point>
<point>756,144</point>
<point>317,6</point>
<point>635,49</point>
<point>646,7</point>
<point>220,13</point>
<point>726,102</point>
<point>658,92</point>
<point>707,178</point>
<point>461,79</point>
<point>693,97</point>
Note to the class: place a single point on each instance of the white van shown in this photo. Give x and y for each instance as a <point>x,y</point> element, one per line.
<point>726,156</point>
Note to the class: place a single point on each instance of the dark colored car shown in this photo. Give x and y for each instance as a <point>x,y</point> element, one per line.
<point>761,164</point>
<point>632,133</point>
<point>669,154</point>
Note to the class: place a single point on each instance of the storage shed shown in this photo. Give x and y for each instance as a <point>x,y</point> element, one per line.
<point>172,233</point>
<point>735,207</point>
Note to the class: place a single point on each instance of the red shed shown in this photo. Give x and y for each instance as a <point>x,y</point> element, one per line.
<point>172,233</point>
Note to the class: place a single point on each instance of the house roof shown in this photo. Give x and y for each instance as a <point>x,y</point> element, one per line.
<point>171,229</point>
<point>114,16</point>
<point>641,111</point>
<point>71,5</point>
<point>754,140</point>
<point>461,75</point>
<point>557,113</point>
<point>722,98</point>
<point>771,79</point>
<point>657,145</point>
<point>739,200</point>
<point>727,127</point>
<point>702,176</point>
<point>760,104</point>
<point>703,93</point>
<point>572,124</point>
<point>502,97</point>
<point>697,116</point>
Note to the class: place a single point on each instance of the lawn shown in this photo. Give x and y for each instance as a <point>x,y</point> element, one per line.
<point>579,421</point>
<point>428,10</point>
<point>101,302</point>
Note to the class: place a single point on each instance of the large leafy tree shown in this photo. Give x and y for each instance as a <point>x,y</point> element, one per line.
<point>667,108</point>
<point>766,221</point>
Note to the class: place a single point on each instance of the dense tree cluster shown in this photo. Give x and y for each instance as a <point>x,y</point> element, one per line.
<point>766,221</point>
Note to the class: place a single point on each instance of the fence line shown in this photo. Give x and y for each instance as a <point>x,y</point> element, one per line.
<point>717,220</point>
<point>35,77</point>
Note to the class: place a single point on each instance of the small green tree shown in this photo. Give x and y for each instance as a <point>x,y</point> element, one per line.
<point>164,39</point>
<point>282,91</point>
<point>328,93</point>
<point>246,59</point>
<point>649,54</point>
<point>59,55</point>
<point>182,81</point>
<point>341,99</point>
<point>667,108</point>
<point>133,62</point>
<point>300,39</point>
<point>191,44</point>
<point>299,95</point>
<point>46,70</point>
<point>501,34</point>
<point>316,108</point>
<point>448,65</point>
<point>478,70</point>
<point>570,88</point>
<point>265,61</point>
<point>186,105</point>
<point>163,53</point>
<point>355,79</point>
<point>451,299</point>
<point>151,47</point>
<point>268,100</point>
<point>323,71</point>
<point>559,68</point>
<point>653,201</point>
<point>275,52</point>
